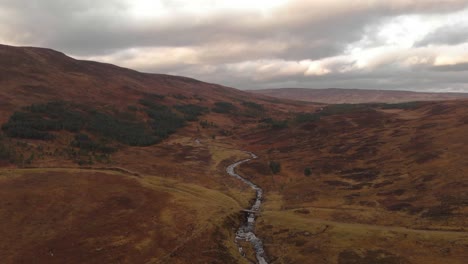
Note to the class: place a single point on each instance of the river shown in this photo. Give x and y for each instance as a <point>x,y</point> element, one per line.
<point>246,231</point>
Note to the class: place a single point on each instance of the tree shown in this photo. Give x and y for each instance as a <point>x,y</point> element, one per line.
<point>275,167</point>
<point>307,171</point>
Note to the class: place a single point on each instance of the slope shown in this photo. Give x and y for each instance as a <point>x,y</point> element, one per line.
<point>103,164</point>
<point>364,183</point>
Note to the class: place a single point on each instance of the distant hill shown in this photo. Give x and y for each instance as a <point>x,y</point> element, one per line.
<point>339,96</point>
<point>30,75</point>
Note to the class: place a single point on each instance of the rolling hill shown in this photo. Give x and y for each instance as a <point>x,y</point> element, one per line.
<point>370,183</point>
<point>355,96</point>
<point>102,164</point>
<point>32,75</point>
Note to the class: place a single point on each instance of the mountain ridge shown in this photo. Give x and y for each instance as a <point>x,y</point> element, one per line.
<point>27,72</point>
<point>341,95</point>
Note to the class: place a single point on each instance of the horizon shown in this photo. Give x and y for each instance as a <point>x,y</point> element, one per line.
<point>417,46</point>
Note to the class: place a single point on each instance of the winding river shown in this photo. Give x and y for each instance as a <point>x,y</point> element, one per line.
<point>247,230</point>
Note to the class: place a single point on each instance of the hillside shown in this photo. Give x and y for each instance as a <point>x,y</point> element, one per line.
<point>32,75</point>
<point>356,96</point>
<point>369,183</point>
<point>102,164</point>
<point>86,148</point>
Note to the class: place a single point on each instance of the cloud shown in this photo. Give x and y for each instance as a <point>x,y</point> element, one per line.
<point>447,35</point>
<point>248,44</point>
<point>452,68</point>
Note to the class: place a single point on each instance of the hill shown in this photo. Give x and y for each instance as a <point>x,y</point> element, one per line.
<point>102,164</point>
<point>369,183</point>
<point>355,96</point>
<point>30,75</point>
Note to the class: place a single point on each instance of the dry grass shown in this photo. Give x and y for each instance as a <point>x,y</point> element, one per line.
<point>294,238</point>
<point>86,216</point>
<point>384,183</point>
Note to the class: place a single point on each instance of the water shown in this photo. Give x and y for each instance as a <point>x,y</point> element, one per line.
<point>246,231</point>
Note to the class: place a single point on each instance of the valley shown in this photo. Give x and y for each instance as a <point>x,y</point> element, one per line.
<point>101,164</point>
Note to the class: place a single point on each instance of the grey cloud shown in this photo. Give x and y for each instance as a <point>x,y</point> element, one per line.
<point>422,79</point>
<point>92,27</point>
<point>451,35</point>
<point>451,68</point>
<point>301,29</point>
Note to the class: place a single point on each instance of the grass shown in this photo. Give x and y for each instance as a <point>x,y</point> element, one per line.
<point>57,204</point>
<point>293,237</point>
<point>368,184</point>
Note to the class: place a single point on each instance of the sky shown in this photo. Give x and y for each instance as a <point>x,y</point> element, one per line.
<point>418,45</point>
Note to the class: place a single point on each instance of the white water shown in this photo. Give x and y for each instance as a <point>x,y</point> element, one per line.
<point>246,230</point>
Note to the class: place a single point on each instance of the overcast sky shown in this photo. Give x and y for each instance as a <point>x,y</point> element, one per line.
<point>417,45</point>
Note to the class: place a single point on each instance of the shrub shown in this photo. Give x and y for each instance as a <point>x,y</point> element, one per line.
<point>6,154</point>
<point>267,120</point>
<point>64,115</point>
<point>307,117</point>
<point>279,124</point>
<point>204,124</point>
<point>180,96</point>
<point>132,108</point>
<point>28,125</point>
<point>253,110</point>
<point>253,105</point>
<point>337,109</point>
<point>163,121</point>
<point>38,120</point>
<point>307,171</point>
<point>275,167</point>
<point>404,106</point>
<point>154,97</point>
<point>191,112</point>
<point>223,107</point>
<point>130,133</point>
<point>83,142</point>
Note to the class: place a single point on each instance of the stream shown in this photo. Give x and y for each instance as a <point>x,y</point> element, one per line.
<point>246,231</point>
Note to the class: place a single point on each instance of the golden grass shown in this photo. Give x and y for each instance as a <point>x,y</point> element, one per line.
<point>183,214</point>
<point>296,238</point>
